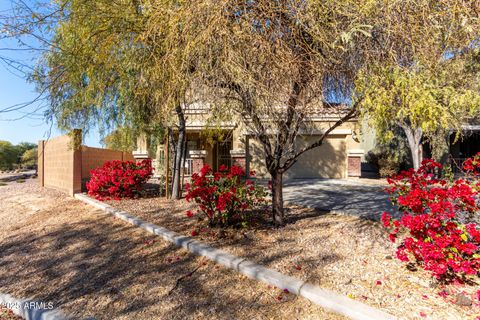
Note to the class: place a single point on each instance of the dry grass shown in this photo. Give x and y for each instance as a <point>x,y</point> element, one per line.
<point>346,254</point>
<point>56,249</point>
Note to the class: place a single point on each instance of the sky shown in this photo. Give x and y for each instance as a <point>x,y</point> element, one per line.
<point>14,89</point>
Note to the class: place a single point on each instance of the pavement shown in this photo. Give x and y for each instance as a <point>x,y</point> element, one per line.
<point>358,198</point>
<point>13,176</point>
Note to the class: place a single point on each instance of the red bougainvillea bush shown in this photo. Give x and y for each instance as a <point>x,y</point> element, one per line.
<point>117,179</point>
<point>223,197</point>
<point>438,228</point>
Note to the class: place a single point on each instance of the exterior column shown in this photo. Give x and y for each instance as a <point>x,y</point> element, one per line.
<point>159,163</point>
<point>354,163</point>
<point>198,159</point>
<point>77,170</point>
<point>239,158</point>
<point>40,163</point>
<point>142,148</point>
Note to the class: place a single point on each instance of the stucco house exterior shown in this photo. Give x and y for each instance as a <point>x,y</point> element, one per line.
<point>339,157</point>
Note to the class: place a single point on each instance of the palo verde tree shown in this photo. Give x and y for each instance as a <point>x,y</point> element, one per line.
<point>269,64</point>
<point>425,83</point>
<point>418,101</point>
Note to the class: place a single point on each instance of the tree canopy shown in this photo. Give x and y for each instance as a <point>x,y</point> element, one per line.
<point>427,83</point>
<point>270,64</point>
<point>91,70</point>
<point>15,156</point>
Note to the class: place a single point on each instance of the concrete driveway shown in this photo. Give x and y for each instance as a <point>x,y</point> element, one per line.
<point>339,196</point>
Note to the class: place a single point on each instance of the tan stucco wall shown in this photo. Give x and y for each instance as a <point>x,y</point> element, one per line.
<point>239,138</point>
<point>327,161</point>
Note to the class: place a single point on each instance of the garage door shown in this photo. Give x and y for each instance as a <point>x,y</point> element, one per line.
<point>326,161</point>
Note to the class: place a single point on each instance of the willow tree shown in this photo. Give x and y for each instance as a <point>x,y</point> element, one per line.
<point>269,64</point>
<point>425,83</point>
<point>96,70</point>
<point>92,70</point>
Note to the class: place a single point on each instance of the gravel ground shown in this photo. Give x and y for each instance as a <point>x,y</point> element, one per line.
<point>56,249</point>
<point>346,254</point>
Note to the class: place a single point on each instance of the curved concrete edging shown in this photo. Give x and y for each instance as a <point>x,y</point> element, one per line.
<point>322,297</point>
<point>30,309</point>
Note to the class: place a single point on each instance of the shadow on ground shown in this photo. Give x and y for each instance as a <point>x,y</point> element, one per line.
<point>103,269</point>
<point>364,201</point>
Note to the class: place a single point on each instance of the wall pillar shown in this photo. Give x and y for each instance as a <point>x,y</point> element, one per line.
<point>142,148</point>
<point>354,163</point>
<point>77,170</point>
<point>40,163</point>
<point>239,159</point>
<point>198,159</point>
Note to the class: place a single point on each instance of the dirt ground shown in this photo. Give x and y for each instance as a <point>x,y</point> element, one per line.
<point>349,255</point>
<point>56,249</point>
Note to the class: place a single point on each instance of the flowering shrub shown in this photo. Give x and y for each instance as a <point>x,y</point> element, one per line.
<point>223,197</point>
<point>437,219</point>
<point>117,179</point>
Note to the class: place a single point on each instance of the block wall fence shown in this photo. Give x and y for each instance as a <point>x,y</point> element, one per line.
<point>63,167</point>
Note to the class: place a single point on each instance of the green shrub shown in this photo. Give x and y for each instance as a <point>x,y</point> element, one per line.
<point>390,158</point>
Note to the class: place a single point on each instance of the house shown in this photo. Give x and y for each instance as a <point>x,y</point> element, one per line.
<point>339,157</point>
<point>468,145</point>
<point>459,149</point>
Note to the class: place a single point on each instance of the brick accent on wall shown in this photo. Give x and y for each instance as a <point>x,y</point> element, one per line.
<point>239,162</point>
<point>354,166</point>
<point>239,159</point>
<point>198,159</point>
<point>197,164</point>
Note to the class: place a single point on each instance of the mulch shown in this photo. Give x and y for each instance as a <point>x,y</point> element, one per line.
<point>56,249</point>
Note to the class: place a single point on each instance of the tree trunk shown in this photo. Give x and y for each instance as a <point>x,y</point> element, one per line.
<point>414,138</point>
<point>179,151</point>
<point>277,198</point>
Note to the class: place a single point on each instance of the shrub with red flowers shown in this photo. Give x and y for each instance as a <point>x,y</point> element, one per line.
<point>223,197</point>
<point>438,227</point>
<point>117,179</point>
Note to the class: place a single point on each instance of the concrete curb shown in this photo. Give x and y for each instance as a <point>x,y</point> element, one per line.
<point>322,297</point>
<point>30,309</point>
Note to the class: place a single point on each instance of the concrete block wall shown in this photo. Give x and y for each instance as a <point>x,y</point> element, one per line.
<point>59,167</point>
<point>63,167</point>
<point>93,158</point>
